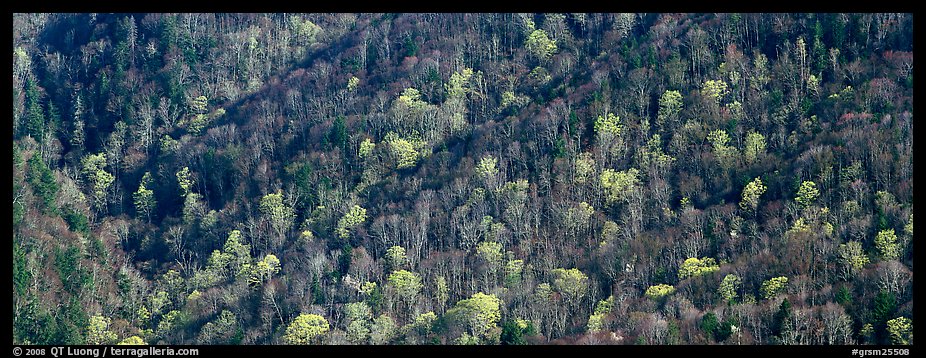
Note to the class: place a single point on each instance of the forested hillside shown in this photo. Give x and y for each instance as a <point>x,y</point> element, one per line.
<point>462,178</point>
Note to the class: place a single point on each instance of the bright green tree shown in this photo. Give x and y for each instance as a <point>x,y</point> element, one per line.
<point>359,316</point>
<point>406,284</point>
<point>144,197</point>
<point>480,314</point>
<point>405,151</point>
<point>618,185</point>
<point>185,180</point>
<point>659,291</point>
<point>751,194</point>
<point>609,124</point>
<point>807,193</point>
<point>886,243</point>
<point>366,148</point>
<point>901,330</point>
<point>572,283</point>
<point>584,167</point>
<point>852,257</point>
<point>596,322</point>
<point>754,147</point>
<point>98,331</point>
<point>772,287</point>
<point>729,287</point>
<point>715,90</point>
<point>264,269</point>
<point>540,45</point>
<point>491,253</point>
<point>305,329</point>
<point>395,257</point>
<point>97,178</point>
<point>132,341</point>
<point>351,219</point>
<point>670,103</point>
<point>277,212</point>
<point>694,267</point>
<point>487,168</point>
<point>725,153</point>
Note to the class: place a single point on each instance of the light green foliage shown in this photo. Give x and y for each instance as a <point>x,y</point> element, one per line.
<point>405,151</point>
<point>618,185</point>
<point>410,102</point>
<point>98,331</point>
<point>406,284</point>
<point>199,104</point>
<point>772,287</point>
<point>670,103</point>
<point>443,291</point>
<point>724,152</point>
<point>305,32</point>
<point>694,267</point>
<point>572,283</point>
<point>813,85</point>
<point>353,83</point>
<point>852,256</point>
<point>132,341</point>
<point>729,287</point>
<point>736,110</point>
<point>609,124</point>
<point>751,194</point>
<point>584,167</point>
<point>171,322</point>
<point>219,331</point>
<point>193,296</point>
<point>185,180</point>
<point>755,146</point>
<point>908,228</point>
<point>596,321</point>
<point>800,226</point>
<point>487,168</point>
<point>886,243</point>
<point>395,257</point>
<point>97,178</point>
<point>807,193</point>
<point>513,270</point>
<point>458,86</point>
<point>366,148</point>
<point>197,123</point>
<point>358,311</point>
<point>169,145</point>
<point>659,291</point>
<point>193,208</point>
<point>239,251</point>
<point>491,253</point>
<point>264,269</point>
<point>480,314</point>
<point>351,219</point>
<point>305,328</point>
<point>358,315</point>
<point>368,287</point>
<point>714,90</point>
<point>901,330</point>
<point>383,330</point>
<point>277,212</point>
<point>652,156</point>
<point>540,45</point>
<point>144,197</point>
<point>511,99</point>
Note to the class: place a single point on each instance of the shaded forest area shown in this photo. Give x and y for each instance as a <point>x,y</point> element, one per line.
<point>462,178</point>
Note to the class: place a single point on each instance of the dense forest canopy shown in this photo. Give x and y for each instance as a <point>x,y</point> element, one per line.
<point>462,178</point>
